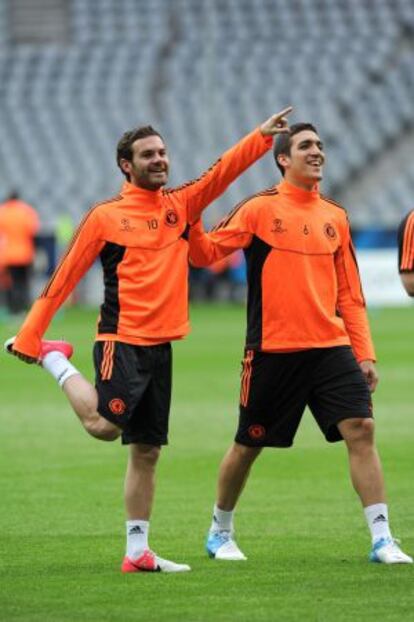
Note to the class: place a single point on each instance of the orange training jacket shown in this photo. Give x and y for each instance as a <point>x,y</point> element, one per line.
<point>140,238</point>
<point>406,244</point>
<point>19,224</point>
<point>304,289</point>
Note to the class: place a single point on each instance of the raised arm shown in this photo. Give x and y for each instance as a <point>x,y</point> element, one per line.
<point>230,234</point>
<point>80,255</point>
<point>204,190</point>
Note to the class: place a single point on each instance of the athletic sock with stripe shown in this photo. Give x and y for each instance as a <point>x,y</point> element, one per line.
<point>137,538</point>
<point>58,365</point>
<point>377,519</point>
<point>222,520</point>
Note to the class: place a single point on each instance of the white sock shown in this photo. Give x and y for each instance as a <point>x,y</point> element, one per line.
<point>377,519</point>
<point>222,520</point>
<point>58,365</point>
<point>137,538</point>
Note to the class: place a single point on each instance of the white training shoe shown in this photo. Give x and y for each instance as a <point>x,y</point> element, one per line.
<point>221,545</point>
<point>387,551</point>
<point>166,565</point>
<point>150,562</point>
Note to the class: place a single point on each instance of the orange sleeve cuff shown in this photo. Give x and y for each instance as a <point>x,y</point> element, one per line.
<point>268,140</point>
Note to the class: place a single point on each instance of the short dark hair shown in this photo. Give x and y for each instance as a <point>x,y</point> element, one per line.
<point>124,146</point>
<point>283,142</point>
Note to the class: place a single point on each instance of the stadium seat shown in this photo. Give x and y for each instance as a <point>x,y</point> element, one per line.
<point>203,78</point>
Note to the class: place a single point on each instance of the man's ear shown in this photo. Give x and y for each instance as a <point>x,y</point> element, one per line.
<point>283,160</point>
<point>125,165</point>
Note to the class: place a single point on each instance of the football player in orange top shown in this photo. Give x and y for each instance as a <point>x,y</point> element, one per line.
<point>19,223</point>
<point>140,237</point>
<point>308,341</point>
<point>406,252</point>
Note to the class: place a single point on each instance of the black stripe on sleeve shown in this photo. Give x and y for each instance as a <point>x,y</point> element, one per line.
<point>111,256</point>
<point>256,255</point>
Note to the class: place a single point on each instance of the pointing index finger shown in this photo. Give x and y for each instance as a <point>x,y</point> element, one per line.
<point>285,111</point>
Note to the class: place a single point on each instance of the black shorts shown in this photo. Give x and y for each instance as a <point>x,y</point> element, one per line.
<point>134,389</point>
<point>276,388</point>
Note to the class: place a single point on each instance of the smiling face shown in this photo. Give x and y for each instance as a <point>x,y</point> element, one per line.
<point>149,165</point>
<point>304,162</point>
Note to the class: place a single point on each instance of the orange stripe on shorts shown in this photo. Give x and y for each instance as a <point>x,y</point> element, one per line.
<point>107,364</point>
<point>407,261</point>
<point>246,377</point>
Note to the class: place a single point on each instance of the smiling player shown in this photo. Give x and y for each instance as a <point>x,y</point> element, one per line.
<point>308,341</point>
<point>140,237</point>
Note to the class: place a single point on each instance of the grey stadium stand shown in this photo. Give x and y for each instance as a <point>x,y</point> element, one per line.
<point>204,73</point>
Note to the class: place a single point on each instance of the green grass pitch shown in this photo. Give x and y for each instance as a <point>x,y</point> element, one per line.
<point>299,521</point>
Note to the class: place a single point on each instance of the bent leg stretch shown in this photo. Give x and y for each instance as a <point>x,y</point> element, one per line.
<point>80,393</point>
<point>84,401</point>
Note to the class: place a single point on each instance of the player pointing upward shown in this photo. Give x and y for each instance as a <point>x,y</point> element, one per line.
<point>140,237</point>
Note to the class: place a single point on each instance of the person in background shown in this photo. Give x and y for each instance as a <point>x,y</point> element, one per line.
<point>19,224</point>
